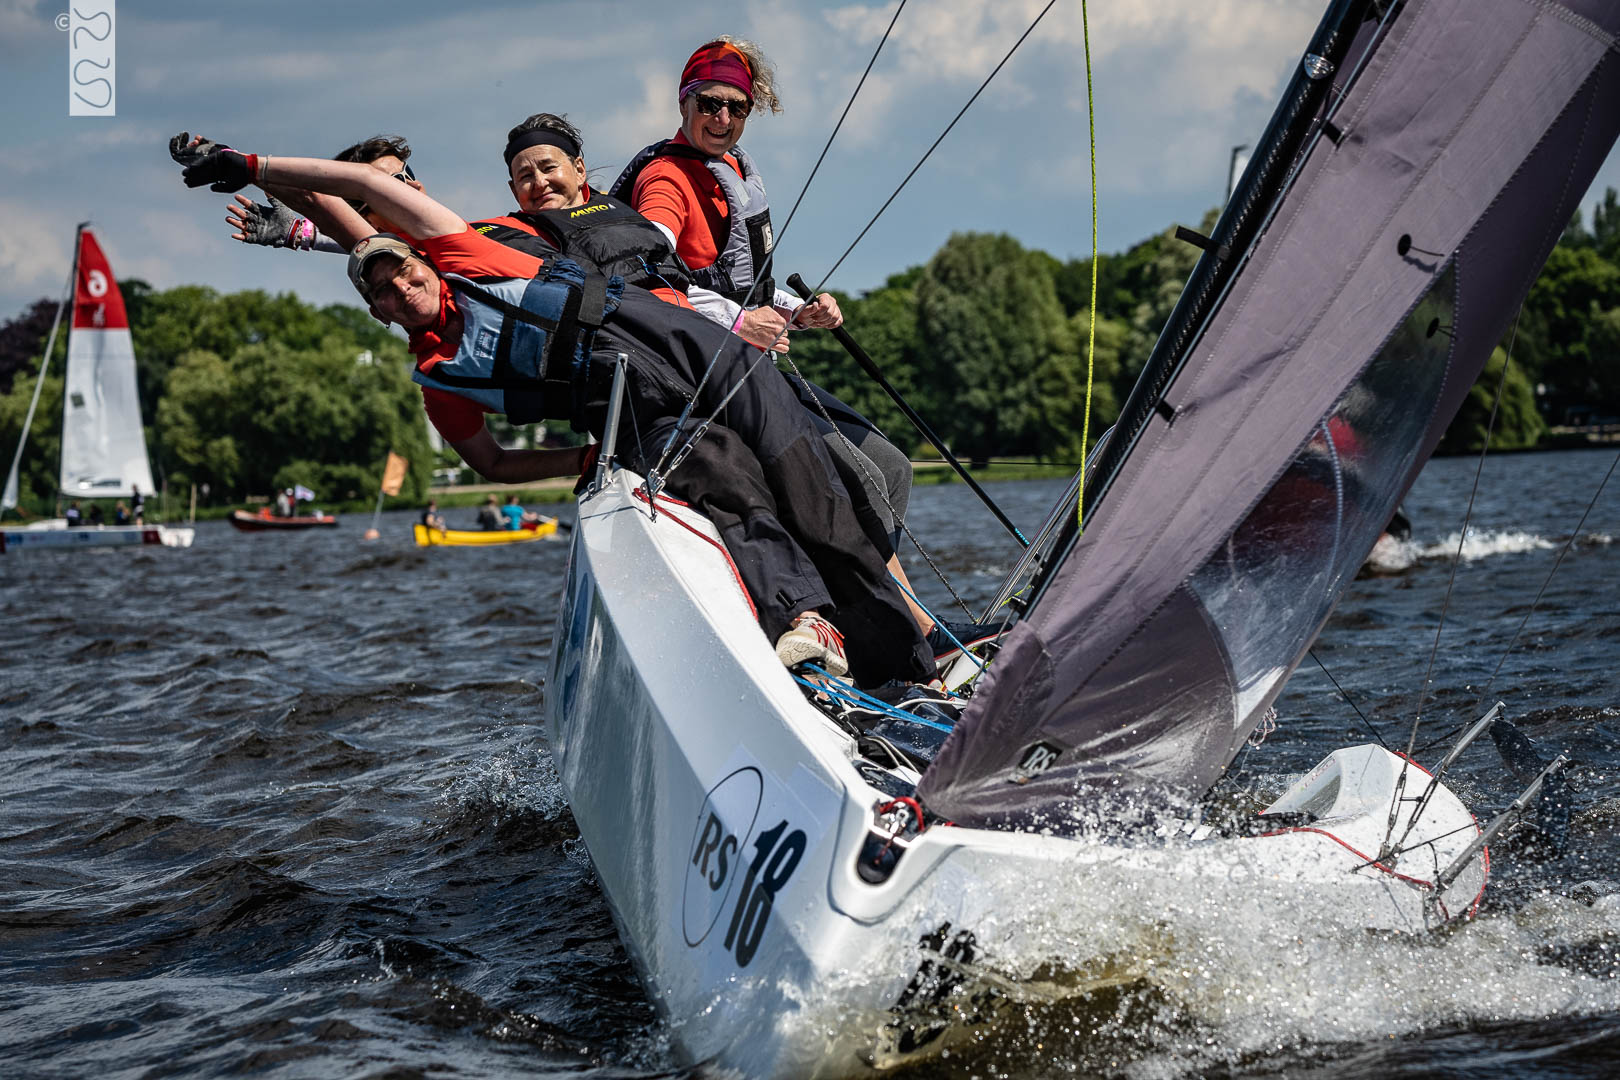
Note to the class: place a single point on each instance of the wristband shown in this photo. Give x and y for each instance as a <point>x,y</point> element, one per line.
<point>302,236</point>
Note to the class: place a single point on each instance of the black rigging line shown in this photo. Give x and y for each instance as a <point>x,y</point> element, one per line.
<point>1434,651</point>
<point>825,277</point>
<point>827,147</point>
<point>1348,700</point>
<point>1512,643</point>
<point>770,258</point>
<point>1462,538</point>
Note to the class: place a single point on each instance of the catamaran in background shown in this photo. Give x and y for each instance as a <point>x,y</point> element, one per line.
<point>812,882</point>
<point>103,447</point>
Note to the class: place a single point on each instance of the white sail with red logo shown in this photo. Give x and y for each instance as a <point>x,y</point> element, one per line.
<point>103,448</point>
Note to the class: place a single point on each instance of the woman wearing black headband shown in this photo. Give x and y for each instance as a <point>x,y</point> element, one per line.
<point>545,165</point>
<point>559,213</point>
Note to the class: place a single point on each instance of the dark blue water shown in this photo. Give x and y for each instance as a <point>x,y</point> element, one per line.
<point>279,805</point>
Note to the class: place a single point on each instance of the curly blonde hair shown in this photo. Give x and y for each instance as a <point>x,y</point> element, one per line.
<point>764,94</point>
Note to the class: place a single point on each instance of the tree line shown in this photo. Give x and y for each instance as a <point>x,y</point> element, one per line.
<point>247,393</point>
<point>241,394</point>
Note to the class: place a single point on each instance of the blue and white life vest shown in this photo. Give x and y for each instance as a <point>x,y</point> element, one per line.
<point>748,239</point>
<point>526,342</point>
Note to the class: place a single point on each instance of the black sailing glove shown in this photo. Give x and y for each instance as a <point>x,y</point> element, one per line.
<point>184,153</point>
<point>223,170</point>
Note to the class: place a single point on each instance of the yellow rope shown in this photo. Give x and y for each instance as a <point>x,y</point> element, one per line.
<point>1091,335</point>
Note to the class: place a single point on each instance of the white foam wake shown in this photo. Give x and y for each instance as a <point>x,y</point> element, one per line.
<point>1484,543</point>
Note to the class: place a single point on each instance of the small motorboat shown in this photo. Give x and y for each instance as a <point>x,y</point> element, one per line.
<point>539,530</point>
<point>265,521</point>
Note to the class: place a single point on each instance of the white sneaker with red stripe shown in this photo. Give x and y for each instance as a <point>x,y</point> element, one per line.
<point>813,640</point>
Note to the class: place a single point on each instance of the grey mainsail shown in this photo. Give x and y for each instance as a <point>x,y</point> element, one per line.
<point>1448,147</point>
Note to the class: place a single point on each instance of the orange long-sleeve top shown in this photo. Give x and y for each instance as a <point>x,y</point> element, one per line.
<point>681,194</point>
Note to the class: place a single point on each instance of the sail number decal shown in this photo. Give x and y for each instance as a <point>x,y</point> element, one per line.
<point>759,887</point>
<point>722,835</point>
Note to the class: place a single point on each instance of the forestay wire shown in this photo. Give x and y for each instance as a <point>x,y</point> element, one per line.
<point>698,433</point>
<point>765,270</point>
<point>1519,630</point>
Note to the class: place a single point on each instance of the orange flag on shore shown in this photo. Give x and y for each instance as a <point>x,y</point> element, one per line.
<point>394,473</point>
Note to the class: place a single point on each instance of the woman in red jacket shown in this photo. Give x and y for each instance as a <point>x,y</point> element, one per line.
<point>703,189</point>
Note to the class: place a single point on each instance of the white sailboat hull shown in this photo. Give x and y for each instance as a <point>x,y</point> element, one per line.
<point>56,534</point>
<point>725,817</point>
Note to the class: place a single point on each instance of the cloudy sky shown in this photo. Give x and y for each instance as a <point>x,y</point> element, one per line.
<point>1177,82</point>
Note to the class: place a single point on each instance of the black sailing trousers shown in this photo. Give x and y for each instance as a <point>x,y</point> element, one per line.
<point>762,474</point>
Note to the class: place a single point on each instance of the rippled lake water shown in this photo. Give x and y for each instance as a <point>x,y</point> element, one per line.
<point>280,805</point>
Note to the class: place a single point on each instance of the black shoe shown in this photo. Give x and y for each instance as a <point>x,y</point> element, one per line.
<point>966,636</point>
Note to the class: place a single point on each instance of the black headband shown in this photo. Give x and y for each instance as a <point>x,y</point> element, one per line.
<point>540,137</point>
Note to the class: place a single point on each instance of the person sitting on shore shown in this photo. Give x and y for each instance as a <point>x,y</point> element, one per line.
<point>761,471</point>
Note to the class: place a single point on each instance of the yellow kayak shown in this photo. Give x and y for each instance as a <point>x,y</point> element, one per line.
<point>426,537</point>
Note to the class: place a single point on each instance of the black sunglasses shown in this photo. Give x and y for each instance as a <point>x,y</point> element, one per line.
<point>362,208</point>
<point>709,105</point>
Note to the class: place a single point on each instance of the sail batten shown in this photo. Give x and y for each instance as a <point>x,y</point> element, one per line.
<point>1301,414</point>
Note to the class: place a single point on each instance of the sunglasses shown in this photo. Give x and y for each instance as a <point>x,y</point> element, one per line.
<point>360,206</point>
<point>709,105</point>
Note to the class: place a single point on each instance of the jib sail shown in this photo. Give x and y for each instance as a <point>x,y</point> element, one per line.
<point>1446,147</point>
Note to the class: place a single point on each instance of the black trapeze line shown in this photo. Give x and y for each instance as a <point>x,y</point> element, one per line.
<point>770,259</point>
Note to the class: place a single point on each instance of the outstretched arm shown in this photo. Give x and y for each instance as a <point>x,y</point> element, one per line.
<point>226,170</point>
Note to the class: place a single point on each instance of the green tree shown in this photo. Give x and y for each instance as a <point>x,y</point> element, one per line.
<point>1518,425</point>
<point>1562,339</point>
<point>884,323</point>
<point>38,470</point>
<point>992,337</point>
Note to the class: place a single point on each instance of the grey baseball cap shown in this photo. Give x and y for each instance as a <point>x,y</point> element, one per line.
<point>370,248</point>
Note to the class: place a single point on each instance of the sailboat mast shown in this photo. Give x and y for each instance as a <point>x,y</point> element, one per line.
<point>9,500</point>
<point>1241,221</point>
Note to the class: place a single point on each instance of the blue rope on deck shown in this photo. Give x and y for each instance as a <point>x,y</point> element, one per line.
<point>849,695</point>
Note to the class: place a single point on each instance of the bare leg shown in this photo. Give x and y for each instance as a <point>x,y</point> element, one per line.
<point>924,623</point>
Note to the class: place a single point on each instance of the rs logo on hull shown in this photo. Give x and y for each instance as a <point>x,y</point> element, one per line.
<point>724,828</point>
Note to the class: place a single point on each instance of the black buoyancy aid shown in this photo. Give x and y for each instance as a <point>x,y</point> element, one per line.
<point>526,343</point>
<point>604,236</point>
<point>747,241</point>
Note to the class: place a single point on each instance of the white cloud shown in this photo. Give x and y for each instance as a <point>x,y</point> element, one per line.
<point>33,254</point>
<point>21,18</point>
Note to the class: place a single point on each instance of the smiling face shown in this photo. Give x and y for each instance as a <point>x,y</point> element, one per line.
<point>714,133</point>
<point>405,291</point>
<point>545,178</point>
